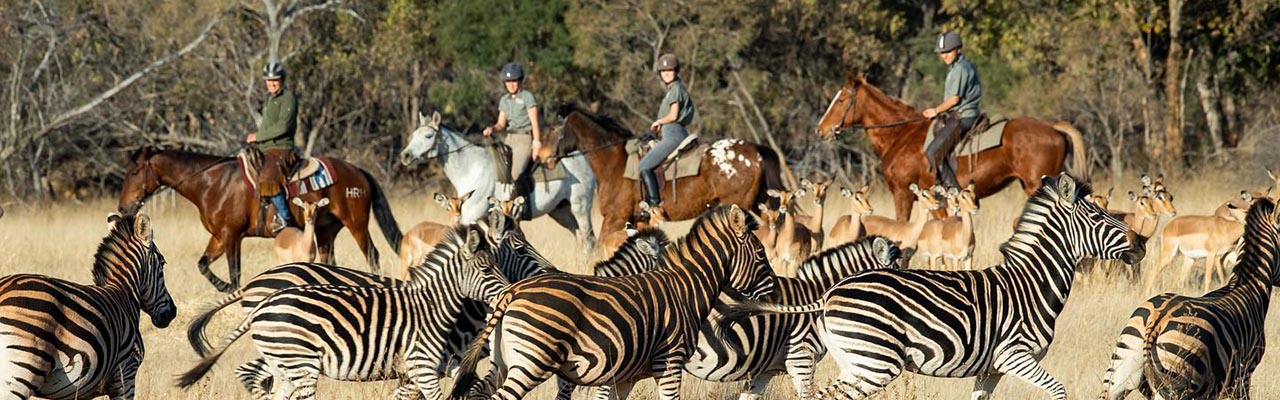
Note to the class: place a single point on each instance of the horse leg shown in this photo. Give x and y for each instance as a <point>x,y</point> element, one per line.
<point>233,263</point>
<point>361,235</point>
<point>903,201</point>
<point>212,252</point>
<point>325,236</point>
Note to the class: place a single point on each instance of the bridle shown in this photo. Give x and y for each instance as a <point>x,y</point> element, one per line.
<point>848,109</point>
<point>563,126</point>
<point>152,177</point>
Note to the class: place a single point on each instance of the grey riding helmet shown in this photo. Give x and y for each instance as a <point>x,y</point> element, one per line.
<point>948,41</point>
<point>668,62</point>
<point>512,72</point>
<point>273,70</point>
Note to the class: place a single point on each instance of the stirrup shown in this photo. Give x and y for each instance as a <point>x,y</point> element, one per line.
<point>278,224</point>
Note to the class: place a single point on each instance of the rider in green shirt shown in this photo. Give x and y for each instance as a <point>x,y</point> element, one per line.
<point>958,110</point>
<point>522,132</point>
<point>275,139</point>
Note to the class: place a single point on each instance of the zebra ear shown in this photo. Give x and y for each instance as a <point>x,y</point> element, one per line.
<point>475,238</point>
<point>883,251</point>
<point>647,247</point>
<point>1067,189</point>
<point>737,220</point>
<point>142,227</point>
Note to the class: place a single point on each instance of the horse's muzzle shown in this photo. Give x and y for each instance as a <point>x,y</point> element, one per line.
<point>407,159</point>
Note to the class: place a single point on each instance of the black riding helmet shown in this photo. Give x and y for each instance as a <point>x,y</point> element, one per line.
<point>668,62</point>
<point>273,70</point>
<point>512,72</point>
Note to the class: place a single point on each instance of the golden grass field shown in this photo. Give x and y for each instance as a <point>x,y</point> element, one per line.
<point>59,239</point>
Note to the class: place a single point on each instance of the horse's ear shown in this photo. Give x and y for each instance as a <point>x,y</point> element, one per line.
<point>435,118</point>
<point>850,80</point>
<point>422,119</point>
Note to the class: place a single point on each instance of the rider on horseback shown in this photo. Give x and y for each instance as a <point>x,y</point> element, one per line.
<point>275,139</point>
<point>674,115</point>
<point>958,111</point>
<point>518,119</point>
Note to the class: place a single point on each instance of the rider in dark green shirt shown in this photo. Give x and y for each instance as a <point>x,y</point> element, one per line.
<point>675,113</point>
<point>958,111</point>
<point>275,139</point>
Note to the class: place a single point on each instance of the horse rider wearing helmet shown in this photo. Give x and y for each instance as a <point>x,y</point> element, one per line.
<point>675,113</point>
<point>522,132</point>
<point>958,110</point>
<point>275,139</point>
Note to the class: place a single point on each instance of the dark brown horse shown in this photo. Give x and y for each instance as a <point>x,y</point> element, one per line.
<point>229,207</point>
<point>732,172</point>
<point>1031,148</point>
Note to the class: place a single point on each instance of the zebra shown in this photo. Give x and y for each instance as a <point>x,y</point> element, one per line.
<point>982,323</point>
<point>640,253</point>
<point>63,340</point>
<point>767,344</point>
<point>515,257</point>
<point>636,326</point>
<point>1203,347</point>
<point>369,333</point>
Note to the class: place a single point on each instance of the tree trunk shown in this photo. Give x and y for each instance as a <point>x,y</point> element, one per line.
<point>1172,160</point>
<point>1231,131</point>
<point>1209,102</point>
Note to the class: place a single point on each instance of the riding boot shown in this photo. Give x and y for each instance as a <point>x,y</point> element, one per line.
<point>282,217</point>
<point>946,173</point>
<point>649,182</point>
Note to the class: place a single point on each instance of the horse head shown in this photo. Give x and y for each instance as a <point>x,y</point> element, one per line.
<point>425,140</point>
<point>140,179</point>
<point>841,112</point>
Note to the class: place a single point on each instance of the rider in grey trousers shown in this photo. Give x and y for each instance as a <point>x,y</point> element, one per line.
<point>674,115</point>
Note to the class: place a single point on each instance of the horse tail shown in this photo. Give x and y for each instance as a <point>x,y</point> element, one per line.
<point>1076,141</point>
<point>771,171</point>
<point>382,212</point>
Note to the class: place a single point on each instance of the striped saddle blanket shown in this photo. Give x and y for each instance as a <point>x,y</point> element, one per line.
<point>312,174</point>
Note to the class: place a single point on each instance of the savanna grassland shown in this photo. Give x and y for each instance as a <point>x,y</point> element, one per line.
<point>58,240</point>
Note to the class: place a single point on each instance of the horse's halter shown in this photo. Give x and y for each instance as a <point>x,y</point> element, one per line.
<point>151,182</point>
<point>844,116</point>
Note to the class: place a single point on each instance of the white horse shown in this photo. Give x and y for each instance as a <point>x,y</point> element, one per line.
<point>469,168</point>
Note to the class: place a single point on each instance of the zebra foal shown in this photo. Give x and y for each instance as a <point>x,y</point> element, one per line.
<point>63,340</point>
<point>983,323</point>
<point>369,333</point>
<point>1203,347</point>
<point>593,331</point>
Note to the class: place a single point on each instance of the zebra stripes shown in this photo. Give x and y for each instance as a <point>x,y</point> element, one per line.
<point>1203,347</point>
<point>63,340</point>
<point>984,323</point>
<point>370,333</point>
<point>759,347</point>
<point>635,327</point>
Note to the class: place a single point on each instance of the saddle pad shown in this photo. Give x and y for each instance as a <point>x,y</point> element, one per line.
<point>321,178</point>
<point>686,164</point>
<point>974,143</point>
<point>311,169</point>
<point>542,174</point>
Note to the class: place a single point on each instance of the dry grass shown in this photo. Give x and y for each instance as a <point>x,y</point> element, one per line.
<point>58,240</point>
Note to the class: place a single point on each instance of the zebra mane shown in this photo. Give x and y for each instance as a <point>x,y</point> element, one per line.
<point>117,251</point>
<point>435,261</point>
<point>714,219</point>
<point>813,266</point>
<point>1041,204</point>
<point>1260,241</point>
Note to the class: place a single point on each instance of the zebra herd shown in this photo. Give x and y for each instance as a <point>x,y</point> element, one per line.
<point>707,303</point>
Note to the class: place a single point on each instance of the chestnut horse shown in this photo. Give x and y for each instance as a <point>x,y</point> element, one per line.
<point>1030,148</point>
<point>732,172</point>
<point>229,207</point>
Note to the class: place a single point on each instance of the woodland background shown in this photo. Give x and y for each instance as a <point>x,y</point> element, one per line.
<point>1164,86</point>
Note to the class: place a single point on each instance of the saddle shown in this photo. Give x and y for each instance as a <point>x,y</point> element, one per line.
<point>684,166</point>
<point>308,175</point>
<point>986,133</point>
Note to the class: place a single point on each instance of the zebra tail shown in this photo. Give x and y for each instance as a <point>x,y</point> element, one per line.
<point>467,367</point>
<point>195,331</point>
<point>191,377</point>
<point>737,310</point>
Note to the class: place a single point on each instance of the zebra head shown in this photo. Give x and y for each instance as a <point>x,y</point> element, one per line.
<point>1091,231</point>
<point>750,273</point>
<point>478,274</point>
<point>129,258</point>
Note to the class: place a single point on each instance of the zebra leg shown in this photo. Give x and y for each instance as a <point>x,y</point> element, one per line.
<point>800,364</point>
<point>255,378</point>
<point>564,389</point>
<point>668,382</point>
<point>1020,363</point>
<point>423,375</point>
<point>406,391</point>
<point>620,391</point>
<point>123,386</point>
<point>1125,373</point>
<point>758,384</point>
<point>984,385</point>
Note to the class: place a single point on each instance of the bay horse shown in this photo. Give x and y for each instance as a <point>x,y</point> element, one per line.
<point>732,172</point>
<point>1030,148</point>
<point>469,168</point>
<point>229,206</point>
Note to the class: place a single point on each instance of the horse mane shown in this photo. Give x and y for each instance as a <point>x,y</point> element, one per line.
<point>1040,203</point>
<point>605,121</point>
<point>118,249</point>
<point>901,106</point>
<point>150,151</point>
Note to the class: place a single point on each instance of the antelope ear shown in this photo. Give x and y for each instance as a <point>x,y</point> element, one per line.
<point>762,207</point>
<point>519,201</point>
<point>324,201</point>
<point>1133,196</point>
<point>463,198</point>
<point>953,192</point>
<point>774,193</point>
<point>914,187</point>
<point>1109,191</point>
<point>806,183</point>
<point>441,199</point>
<point>865,188</point>
<point>800,193</point>
<point>142,227</point>
<point>297,201</point>
<point>846,192</point>
<point>1246,196</point>
<point>1146,180</point>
